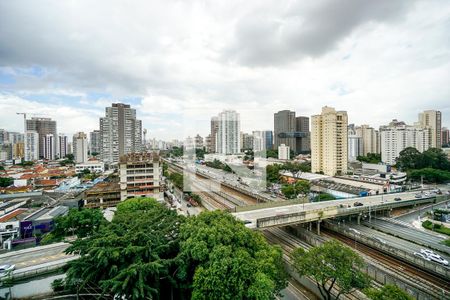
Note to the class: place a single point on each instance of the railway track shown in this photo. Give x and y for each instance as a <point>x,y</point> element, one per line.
<point>422,279</point>
<point>213,199</point>
<point>289,243</point>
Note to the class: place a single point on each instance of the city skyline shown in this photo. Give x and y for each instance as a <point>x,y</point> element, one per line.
<point>178,63</point>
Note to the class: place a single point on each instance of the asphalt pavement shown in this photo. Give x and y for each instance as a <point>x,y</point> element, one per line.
<point>35,256</point>
<point>419,237</point>
<point>388,239</point>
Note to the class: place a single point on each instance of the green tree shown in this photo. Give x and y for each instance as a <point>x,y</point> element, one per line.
<point>226,260</point>
<point>331,264</point>
<point>291,191</point>
<point>409,158</point>
<point>177,180</point>
<point>6,181</point>
<point>372,158</point>
<point>435,158</point>
<point>430,175</point>
<point>81,223</point>
<point>325,197</point>
<point>134,256</point>
<point>176,151</point>
<point>388,292</point>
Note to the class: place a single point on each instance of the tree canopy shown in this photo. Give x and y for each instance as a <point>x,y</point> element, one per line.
<point>6,181</point>
<point>388,292</point>
<point>433,164</point>
<point>331,264</point>
<point>372,158</point>
<point>300,187</point>
<point>410,158</point>
<point>133,256</point>
<point>80,223</point>
<point>149,252</point>
<point>226,260</point>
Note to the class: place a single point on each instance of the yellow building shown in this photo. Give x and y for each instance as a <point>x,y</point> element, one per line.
<point>329,142</point>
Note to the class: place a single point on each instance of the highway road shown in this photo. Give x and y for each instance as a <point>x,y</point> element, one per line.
<point>426,239</point>
<point>35,256</point>
<point>388,239</point>
<point>253,215</point>
<point>414,215</point>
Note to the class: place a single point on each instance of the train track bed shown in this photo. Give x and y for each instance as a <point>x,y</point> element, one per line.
<point>289,243</point>
<point>420,278</point>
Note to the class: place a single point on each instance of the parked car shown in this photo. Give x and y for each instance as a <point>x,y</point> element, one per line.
<point>397,199</point>
<point>421,255</point>
<point>6,269</point>
<point>247,222</point>
<point>357,204</point>
<point>418,196</point>
<point>188,204</point>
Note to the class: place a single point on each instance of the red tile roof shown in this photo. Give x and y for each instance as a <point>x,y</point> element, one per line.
<point>12,214</point>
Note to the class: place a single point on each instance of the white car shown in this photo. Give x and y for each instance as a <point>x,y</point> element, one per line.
<point>6,269</point>
<point>427,252</point>
<point>438,259</point>
<point>354,230</point>
<point>379,240</point>
<point>421,255</point>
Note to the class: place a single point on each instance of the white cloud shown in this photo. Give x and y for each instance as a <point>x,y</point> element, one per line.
<point>188,60</point>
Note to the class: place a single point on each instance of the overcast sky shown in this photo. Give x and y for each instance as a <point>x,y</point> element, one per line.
<point>180,62</point>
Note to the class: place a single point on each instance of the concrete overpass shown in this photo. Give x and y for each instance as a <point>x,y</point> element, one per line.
<point>318,211</point>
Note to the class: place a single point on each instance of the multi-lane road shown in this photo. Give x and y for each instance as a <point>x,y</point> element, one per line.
<point>384,238</point>
<point>34,261</point>
<point>424,238</point>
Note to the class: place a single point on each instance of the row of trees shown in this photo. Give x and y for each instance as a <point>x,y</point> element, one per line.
<point>432,164</point>
<point>217,164</point>
<point>150,252</point>
<point>273,171</point>
<point>372,158</point>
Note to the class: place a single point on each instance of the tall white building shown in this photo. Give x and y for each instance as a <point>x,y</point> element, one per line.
<point>262,140</point>
<point>120,132</point>
<point>62,145</point>
<point>432,120</point>
<point>329,153</point>
<point>80,147</point>
<point>397,136</point>
<point>369,139</point>
<point>228,132</point>
<point>32,146</point>
<point>44,127</point>
<point>48,146</point>
<point>355,144</point>
<point>94,141</point>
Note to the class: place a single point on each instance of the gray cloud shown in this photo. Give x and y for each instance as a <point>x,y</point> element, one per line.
<point>304,30</point>
<point>204,56</point>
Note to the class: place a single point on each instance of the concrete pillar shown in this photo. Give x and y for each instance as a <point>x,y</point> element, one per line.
<point>358,219</point>
<point>318,227</point>
<point>310,226</point>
